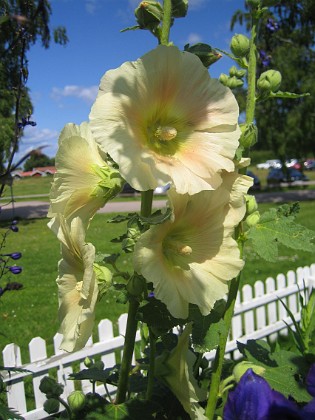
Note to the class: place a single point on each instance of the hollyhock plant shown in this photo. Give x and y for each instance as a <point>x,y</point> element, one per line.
<point>163,119</point>
<point>190,258</point>
<point>77,283</point>
<point>84,181</point>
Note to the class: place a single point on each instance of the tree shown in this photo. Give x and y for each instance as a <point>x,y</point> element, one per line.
<point>37,160</point>
<point>286,41</point>
<point>22,23</point>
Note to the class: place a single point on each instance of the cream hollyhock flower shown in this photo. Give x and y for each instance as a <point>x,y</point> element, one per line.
<point>84,181</point>
<point>190,258</point>
<point>77,284</point>
<point>163,119</point>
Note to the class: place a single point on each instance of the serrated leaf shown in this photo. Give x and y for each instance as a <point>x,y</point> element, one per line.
<point>201,337</point>
<point>121,218</point>
<point>282,368</point>
<point>288,95</point>
<point>8,413</point>
<point>157,217</point>
<point>277,227</point>
<point>92,375</point>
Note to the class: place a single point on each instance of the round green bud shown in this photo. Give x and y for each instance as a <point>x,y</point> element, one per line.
<point>149,14</point>
<point>99,365</point>
<point>273,77</point>
<point>233,71</point>
<point>234,82</point>
<point>263,85</point>
<point>242,367</point>
<point>50,387</point>
<point>240,45</point>
<point>128,245</point>
<point>251,204</point>
<point>76,400</point>
<point>136,285</point>
<point>179,8</point>
<point>223,79</point>
<point>253,219</point>
<point>88,362</point>
<point>51,406</point>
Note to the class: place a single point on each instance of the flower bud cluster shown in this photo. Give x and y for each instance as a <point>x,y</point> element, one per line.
<point>235,78</point>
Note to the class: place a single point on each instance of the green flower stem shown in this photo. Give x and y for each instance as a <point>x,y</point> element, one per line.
<point>251,80</point>
<point>151,365</point>
<point>66,406</point>
<point>166,25</point>
<point>132,323</point>
<point>129,345</point>
<point>219,357</point>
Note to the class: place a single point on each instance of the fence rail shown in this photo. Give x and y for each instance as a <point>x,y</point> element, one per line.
<point>259,313</point>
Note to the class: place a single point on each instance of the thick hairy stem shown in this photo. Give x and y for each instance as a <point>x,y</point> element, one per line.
<point>166,26</point>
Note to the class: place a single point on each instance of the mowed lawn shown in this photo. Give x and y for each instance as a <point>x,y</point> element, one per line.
<point>32,311</point>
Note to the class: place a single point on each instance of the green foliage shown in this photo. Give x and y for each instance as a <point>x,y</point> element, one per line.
<point>38,160</point>
<point>278,226</point>
<point>284,370</point>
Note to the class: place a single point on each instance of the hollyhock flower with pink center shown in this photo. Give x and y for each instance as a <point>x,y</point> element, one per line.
<point>77,283</point>
<point>84,181</point>
<point>190,258</point>
<point>163,119</point>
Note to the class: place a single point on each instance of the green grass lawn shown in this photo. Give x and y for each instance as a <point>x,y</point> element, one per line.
<point>32,311</point>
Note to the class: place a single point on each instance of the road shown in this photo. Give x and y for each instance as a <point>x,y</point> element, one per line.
<point>38,209</point>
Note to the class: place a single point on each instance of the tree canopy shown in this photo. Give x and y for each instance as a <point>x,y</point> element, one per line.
<point>22,24</point>
<point>286,41</point>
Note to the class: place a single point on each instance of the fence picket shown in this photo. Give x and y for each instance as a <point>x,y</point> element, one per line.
<point>15,390</point>
<point>37,348</point>
<point>258,314</point>
<point>282,313</point>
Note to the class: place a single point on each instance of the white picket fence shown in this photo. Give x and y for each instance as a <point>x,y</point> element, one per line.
<point>258,314</point>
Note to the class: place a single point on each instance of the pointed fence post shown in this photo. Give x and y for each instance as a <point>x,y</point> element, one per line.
<point>37,349</point>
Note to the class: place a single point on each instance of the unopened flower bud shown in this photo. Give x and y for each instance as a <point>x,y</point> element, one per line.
<point>242,367</point>
<point>253,219</point>
<point>240,45</point>
<point>50,387</point>
<point>88,362</point>
<point>99,365</point>
<point>76,400</point>
<point>251,204</point>
<point>223,78</point>
<point>273,77</point>
<point>149,14</point>
<point>15,269</point>
<point>234,82</point>
<point>136,285</point>
<point>51,406</point>
<point>264,86</point>
<point>206,54</point>
<point>179,8</point>
<point>128,245</point>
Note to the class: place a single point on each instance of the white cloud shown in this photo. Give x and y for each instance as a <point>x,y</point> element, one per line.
<point>193,38</point>
<point>88,94</point>
<point>34,137</point>
<point>91,6</point>
<point>196,4</point>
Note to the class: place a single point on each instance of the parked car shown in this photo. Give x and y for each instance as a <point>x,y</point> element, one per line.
<point>256,186</point>
<point>309,165</point>
<point>277,175</point>
<point>272,163</point>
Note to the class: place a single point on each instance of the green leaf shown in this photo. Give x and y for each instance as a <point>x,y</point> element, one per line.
<point>287,95</point>
<point>283,369</point>
<point>206,330</point>
<point>278,226</point>
<point>8,414</point>
<point>134,409</point>
<point>157,217</point>
<point>155,314</point>
<point>131,28</point>
<point>121,218</point>
<point>308,323</point>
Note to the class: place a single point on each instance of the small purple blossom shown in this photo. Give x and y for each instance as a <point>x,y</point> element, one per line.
<point>265,58</point>
<point>272,25</point>
<point>26,121</point>
<point>15,269</point>
<point>13,255</point>
<point>14,228</point>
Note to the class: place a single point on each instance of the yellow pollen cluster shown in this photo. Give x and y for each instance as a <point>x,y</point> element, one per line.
<point>179,248</point>
<point>165,133</point>
<point>78,286</point>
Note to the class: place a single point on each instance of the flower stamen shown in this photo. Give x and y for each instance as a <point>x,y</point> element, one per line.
<point>165,133</point>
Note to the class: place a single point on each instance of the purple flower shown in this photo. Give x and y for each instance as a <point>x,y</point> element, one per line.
<point>15,269</point>
<point>254,399</point>
<point>13,255</point>
<point>271,25</point>
<point>14,228</point>
<point>265,58</point>
<point>26,121</point>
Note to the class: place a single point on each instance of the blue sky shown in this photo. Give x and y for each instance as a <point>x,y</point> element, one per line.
<point>63,80</point>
